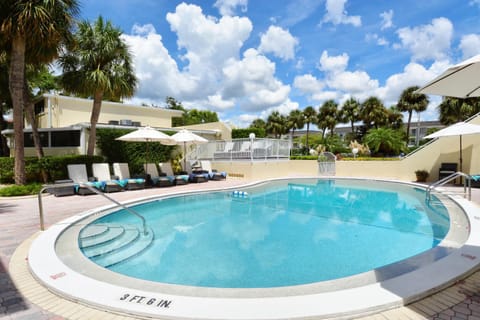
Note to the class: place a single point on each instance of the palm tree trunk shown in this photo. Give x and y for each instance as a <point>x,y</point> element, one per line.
<point>4,150</point>
<point>308,128</point>
<point>408,125</point>
<point>97,105</point>
<point>16,83</point>
<point>30,112</point>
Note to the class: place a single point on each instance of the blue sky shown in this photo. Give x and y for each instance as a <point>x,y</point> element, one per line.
<point>245,59</point>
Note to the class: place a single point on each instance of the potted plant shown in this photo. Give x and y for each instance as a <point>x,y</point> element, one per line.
<point>422,175</point>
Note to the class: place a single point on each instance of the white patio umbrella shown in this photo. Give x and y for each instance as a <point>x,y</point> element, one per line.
<point>147,134</point>
<point>185,137</point>
<point>457,129</point>
<point>460,81</point>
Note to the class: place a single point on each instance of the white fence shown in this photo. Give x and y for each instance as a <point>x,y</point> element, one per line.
<point>244,150</point>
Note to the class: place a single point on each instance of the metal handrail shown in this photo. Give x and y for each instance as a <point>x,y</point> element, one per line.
<point>467,184</point>
<point>40,205</point>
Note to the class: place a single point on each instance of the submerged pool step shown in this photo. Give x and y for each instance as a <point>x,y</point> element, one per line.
<point>124,239</point>
<point>112,232</point>
<point>125,252</point>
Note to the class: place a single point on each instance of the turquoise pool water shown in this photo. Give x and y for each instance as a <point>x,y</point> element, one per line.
<point>282,233</point>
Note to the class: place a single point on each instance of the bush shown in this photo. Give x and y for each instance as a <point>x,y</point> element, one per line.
<point>14,190</point>
<point>245,133</point>
<point>55,166</point>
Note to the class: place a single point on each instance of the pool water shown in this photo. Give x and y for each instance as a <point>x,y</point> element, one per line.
<point>282,233</point>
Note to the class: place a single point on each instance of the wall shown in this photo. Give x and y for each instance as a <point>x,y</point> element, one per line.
<point>67,111</point>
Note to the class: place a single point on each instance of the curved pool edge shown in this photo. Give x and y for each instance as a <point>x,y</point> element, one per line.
<point>374,297</point>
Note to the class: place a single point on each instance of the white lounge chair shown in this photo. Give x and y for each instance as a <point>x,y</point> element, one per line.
<point>157,179</point>
<point>212,173</point>
<point>121,171</point>
<point>101,172</point>
<point>179,179</point>
<point>78,174</point>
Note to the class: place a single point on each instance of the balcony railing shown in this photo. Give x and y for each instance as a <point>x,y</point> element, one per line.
<point>243,150</point>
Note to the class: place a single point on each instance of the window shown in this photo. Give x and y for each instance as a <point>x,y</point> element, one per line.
<point>67,138</point>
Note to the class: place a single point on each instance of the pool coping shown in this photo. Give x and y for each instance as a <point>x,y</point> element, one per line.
<point>54,274</point>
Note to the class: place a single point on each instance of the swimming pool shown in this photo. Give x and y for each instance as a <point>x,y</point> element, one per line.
<point>279,234</point>
<point>440,251</point>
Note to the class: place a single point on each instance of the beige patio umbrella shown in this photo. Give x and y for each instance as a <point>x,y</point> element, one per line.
<point>185,137</point>
<point>457,129</point>
<point>460,81</point>
<point>147,134</point>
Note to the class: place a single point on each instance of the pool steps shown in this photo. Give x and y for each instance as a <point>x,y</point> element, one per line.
<point>113,244</point>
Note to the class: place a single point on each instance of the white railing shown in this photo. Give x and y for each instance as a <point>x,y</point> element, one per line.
<point>244,150</point>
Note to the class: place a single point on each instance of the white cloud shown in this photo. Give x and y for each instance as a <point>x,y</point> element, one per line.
<point>428,42</point>
<point>381,41</point>
<point>227,7</point>
<point>308,84</point>
<point>470,45</point>
<point>413,74</point>
<point>333,64</point>
<point>254,77</point>
<point>279,42</point>
<point>336,14</point>
<point>387,19</point>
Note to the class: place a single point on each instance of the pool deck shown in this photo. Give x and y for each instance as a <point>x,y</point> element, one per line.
<point>21,297</point>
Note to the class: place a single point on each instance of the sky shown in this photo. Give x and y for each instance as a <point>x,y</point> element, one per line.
<point>245,59</point>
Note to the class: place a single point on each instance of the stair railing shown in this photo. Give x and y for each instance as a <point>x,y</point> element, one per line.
<point>467,184</point>
<point>53,186</point>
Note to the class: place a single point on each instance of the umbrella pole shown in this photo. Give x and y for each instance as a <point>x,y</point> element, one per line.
<point>184,156</point>
<point>461,160</point>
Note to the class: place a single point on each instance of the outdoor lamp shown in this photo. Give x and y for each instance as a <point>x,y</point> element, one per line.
<point>355,151</point>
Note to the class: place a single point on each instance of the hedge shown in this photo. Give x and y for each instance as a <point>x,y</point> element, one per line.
<point>55,166</point>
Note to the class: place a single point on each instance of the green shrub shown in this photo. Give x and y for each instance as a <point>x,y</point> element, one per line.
<point>55,166</point>
<point>14,190</point>
<point>245,133</point>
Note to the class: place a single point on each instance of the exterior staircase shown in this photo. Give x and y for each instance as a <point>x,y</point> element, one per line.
<point>109,244</point>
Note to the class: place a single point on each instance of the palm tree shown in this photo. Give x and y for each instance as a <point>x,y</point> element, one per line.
<point>309,114</point>
<point>453,110</point>
<point>410,101</point>
<point>373,113</point>
<point>385,141</point>
<point>327,117</point>
<point>99,65</point>
<point>276,124</point>
<point>259,123</point>
<point>295,120</point>
<point>350,112</point>
<point>35,29</point>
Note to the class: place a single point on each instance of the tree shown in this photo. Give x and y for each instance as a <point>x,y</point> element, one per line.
<point>395,118</point>
<point>30,29</point>
<point>385,141</point>
<point>453,110</point>
<point>327,117</point>
<point>5,102</point>
<point>276,124</point>
<point>309,114</point>
<point>259,123</point>
<point>350,113</point>
<point>295,120</point>
<point>98,65</point>
<point>373,113</point>
<point>410,101</point>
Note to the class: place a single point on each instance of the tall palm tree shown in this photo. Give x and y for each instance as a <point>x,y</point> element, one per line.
<point>295,120</point>
<point>309,114</point>
<point>276,124</point>
<point>29,28</point>
<point>327,117</point>
<point>410,101</point>
<point>373,113</point>
<point>350,113</point>
<point>100,66</point>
